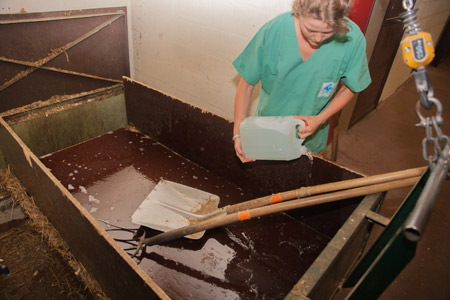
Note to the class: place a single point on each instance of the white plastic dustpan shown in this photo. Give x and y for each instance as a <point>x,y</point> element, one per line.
<point>171,205</point>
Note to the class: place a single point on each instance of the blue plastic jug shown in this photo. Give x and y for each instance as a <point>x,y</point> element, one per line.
<point>272,138</point>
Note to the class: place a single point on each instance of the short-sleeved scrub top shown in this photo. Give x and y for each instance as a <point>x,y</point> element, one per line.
<point>291,86</point>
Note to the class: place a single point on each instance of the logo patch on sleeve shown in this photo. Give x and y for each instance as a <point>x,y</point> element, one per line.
<point>327,88</point>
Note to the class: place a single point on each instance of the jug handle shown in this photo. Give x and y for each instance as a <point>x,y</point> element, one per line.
<point>299,122</point>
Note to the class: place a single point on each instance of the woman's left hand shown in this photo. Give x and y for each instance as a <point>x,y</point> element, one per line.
<point>311,122</point>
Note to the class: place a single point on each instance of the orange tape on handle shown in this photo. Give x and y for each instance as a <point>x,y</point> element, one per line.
<point>275,198</point>
<point>243,215</point>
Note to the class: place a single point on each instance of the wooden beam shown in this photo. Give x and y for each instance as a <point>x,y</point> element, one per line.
<point>377,218</point>
<point>33,65</point>
<point>57,18</point>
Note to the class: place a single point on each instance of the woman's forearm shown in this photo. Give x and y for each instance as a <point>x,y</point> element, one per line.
<point>341,99</point>
<point>241,103</point>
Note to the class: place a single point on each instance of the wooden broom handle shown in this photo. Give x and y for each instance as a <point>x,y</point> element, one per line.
<point>325,188</point>
<point>222,220</point>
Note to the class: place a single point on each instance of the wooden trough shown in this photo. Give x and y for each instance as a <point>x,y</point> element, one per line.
<point>94,158</point>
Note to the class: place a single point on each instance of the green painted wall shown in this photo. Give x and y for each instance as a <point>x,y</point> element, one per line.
<point>51,132</point>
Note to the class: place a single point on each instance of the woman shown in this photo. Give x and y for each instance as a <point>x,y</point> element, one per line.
<point>300,57</point>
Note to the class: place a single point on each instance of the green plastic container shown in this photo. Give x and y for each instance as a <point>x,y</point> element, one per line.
<point>272,138</point>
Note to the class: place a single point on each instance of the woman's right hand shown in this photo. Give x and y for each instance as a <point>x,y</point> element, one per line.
<point>239,152</point>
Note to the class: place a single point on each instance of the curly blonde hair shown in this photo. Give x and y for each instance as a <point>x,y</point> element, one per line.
<point>332,12</point>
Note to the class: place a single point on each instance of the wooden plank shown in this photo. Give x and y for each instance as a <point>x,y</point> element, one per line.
<point>115,271</point>
<point>377,218</point>
<point>25,112</point>
<point>205,138</point>
<point>33,65</point>
<point>91,119</point>
<point>57,18</point>
<point>55,53</point>
<point>97,62</point>
<point>325,276</point>
<point>384,51</point>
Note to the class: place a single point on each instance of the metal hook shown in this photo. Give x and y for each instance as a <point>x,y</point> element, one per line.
<point>423,120</point>
<point>408,4</point>
<point>424,87</point>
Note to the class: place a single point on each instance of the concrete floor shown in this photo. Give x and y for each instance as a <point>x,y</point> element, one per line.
<point>387,140</point>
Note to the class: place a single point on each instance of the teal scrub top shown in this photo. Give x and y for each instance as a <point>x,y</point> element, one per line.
<point>291,86</point>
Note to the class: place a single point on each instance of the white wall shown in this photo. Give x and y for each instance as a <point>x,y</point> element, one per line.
<point>185,48</point>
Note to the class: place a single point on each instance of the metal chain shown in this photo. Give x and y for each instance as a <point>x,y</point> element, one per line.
<point>434,136</point>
